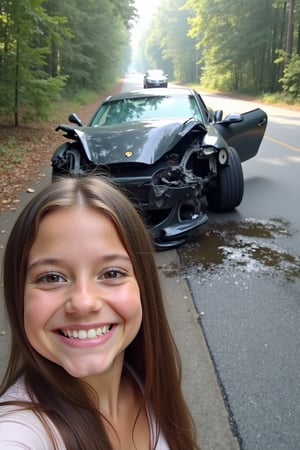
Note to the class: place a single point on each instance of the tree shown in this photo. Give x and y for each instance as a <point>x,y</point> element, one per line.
<point>291,77</point>
<point>290,29</point>
<point>47,45</point>
<point>99,49</point>
<point>167,44</point>
<point>26,88</point>
<point>289,50</point>
<point>232,36</point>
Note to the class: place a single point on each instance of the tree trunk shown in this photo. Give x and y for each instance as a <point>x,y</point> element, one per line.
<point>16,108</point>
<point>290,31</point>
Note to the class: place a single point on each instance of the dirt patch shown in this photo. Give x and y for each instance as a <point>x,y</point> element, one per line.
<point>34,145</point>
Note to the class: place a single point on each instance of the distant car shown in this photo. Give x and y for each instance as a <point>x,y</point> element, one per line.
<point>155,78</point>
<point>173,156</point>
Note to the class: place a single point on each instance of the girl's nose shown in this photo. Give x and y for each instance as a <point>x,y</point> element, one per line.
<point>84,298</point>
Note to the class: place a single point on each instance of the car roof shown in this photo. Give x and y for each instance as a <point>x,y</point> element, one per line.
<point>155,71</point>
<point>172,92</point>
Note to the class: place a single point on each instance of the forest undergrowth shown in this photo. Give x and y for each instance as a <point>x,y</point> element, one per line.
<point>26,150</point>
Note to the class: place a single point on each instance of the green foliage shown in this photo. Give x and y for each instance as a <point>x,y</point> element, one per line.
<point>166,44</point>
<point>99,50</point>
<point>50,46</point>
<point>84,97</point>
<point>225,44</point>
<point>39,96</point>
<point>270,97</point>
<point>24,82</point>
<point>291,77</point>
<point>238,41</point>
<point>6,149</point>
<point>11,155</point>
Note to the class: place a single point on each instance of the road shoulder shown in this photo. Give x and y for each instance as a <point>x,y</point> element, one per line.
<point>200,384</point>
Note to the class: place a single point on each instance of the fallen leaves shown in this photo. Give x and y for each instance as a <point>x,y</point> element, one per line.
<point>34,146</point>
<point>18,177</point>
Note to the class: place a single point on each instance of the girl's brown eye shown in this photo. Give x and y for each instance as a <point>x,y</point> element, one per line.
<point>113,274</point>
<point>51,278</point>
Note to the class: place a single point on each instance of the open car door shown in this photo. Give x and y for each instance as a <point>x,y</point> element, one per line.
<point>245,136</point>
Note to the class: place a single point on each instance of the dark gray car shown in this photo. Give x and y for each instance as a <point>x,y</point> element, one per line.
<point>173,156</point>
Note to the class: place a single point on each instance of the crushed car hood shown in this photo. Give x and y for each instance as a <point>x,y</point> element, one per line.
<point>141,142</point>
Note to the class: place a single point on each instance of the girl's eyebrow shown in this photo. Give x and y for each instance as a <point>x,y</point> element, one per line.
<point>43,262</point>
<point>110,258</point>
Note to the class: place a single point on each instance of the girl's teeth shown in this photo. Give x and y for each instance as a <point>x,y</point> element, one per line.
<point>82,334</point>
<point>86,334</point>
<point>91,334</point>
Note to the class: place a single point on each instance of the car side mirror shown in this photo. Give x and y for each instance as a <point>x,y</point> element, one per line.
<point>232,118</point>
<point>73,118</point>
<point>218,115</point>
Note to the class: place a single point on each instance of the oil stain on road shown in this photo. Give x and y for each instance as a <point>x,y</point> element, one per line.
<point>251,246</point>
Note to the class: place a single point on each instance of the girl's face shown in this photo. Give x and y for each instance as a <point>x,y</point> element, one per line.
<point>82,304</point>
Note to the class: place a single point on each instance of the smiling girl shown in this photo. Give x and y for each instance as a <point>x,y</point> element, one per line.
<point>93,365</point>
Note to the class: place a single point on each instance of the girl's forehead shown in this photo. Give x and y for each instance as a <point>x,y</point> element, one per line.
<point>75,219</point>
<point>84,213</point>
<point>77,229</point>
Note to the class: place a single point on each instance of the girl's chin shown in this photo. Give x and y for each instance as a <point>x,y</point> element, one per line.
<point>83,369</point>
<point>83,374</point>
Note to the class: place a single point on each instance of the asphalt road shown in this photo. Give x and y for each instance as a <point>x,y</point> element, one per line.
<point>239,277</point>
<point>244,275</point>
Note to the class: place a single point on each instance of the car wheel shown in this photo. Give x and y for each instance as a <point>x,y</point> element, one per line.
<point>229,189</point>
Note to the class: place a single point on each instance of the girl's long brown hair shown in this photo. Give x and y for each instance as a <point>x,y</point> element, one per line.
<point>152,355</point>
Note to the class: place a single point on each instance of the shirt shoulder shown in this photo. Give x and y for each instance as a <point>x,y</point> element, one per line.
<point>22,429</point>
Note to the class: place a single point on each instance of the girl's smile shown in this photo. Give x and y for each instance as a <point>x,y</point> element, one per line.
<point>84,338</point>
<point>82,302</point>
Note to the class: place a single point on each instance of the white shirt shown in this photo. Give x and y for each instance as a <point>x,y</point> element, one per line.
<point>22,430</point>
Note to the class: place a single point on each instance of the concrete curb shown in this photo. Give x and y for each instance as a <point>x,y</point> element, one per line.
<point>200,383</point>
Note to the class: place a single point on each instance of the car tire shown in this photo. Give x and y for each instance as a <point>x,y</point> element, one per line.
<point>229,190</point>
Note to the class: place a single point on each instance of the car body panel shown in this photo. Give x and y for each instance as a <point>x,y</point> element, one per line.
<point>245,136</point>
<point>143,142</point>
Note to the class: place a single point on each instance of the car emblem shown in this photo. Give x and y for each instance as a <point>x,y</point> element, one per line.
<point>128,154</point>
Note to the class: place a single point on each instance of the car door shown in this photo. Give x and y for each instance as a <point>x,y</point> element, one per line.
<point>245,136</point>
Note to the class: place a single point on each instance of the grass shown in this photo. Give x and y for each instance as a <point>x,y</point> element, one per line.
<point>12,154</point>
<point>271,98</point>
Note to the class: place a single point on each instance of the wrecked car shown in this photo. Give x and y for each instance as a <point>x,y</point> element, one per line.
<point>173,156</point>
